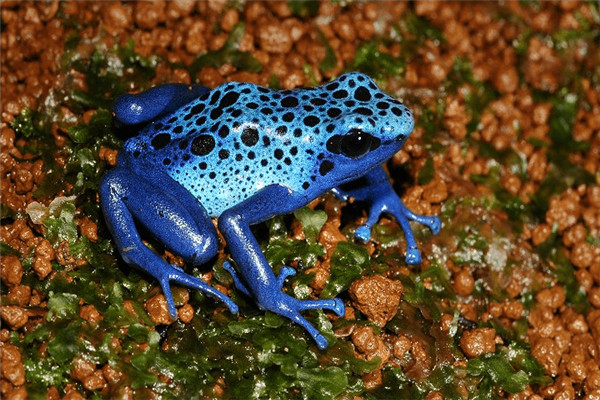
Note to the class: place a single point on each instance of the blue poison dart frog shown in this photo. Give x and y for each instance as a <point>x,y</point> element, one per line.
<point>243,154</point>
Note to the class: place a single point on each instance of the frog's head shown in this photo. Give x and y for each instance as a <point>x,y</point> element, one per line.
<point>364,128</point>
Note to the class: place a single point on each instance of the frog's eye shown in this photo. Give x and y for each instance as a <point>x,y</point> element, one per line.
<point>354,144</point>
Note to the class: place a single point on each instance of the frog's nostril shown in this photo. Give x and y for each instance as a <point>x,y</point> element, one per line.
<point>400,137</point>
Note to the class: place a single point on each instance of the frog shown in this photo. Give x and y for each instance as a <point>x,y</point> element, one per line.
<point>241,154</point>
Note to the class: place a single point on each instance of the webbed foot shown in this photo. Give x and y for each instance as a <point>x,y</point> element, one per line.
<point>386,201</point>
<point>273,299</point>
<point>291,307</point>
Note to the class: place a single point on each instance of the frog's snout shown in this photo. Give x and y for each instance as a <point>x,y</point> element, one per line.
<point>400,137</point>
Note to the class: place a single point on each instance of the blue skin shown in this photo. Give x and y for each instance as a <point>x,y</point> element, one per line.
<point>244,153</point>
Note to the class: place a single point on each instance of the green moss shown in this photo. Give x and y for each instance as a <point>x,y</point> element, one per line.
<point>228,54</point>
<point>330,60</point>
<point>304,9</point>
<point>511,369</point>
<point>108,74</point>
<point>347,264</point>
<point>312,222</point>
<point>426,173</point>
<point>25,123</point>
<point>370,60</point>
<point>427,297</point>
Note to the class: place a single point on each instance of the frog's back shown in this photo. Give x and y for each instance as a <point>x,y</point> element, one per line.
<point>226,145</point>
<point>232,141</point>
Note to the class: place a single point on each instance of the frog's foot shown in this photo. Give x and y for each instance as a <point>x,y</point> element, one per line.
<point>391,204</point>
<point>284,273</point>
<point>413,255</point>
<point>175,274</point>
<point>335,305</point>
<point>403,215</point>
<point>432,222</point>
<point>290,307</point>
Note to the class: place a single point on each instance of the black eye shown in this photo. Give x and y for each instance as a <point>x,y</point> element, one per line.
<point>356,143</point>
<point>334,143</point>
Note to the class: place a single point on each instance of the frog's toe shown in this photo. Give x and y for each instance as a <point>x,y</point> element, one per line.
<point>285,272</point>
<point>290,310</point>
<point>336,305</point>
<point>236,279</point>
<point>166,288</point>
<point>177,267</point>
<point>321,340</point>
<point>198,284</point>
<point>413,256</point>
<point>339,308</point>
<point>435,224</point>
<point>432,222</point>
<point>363,233</point>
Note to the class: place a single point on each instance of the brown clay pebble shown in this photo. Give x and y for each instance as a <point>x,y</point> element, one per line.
<point>11,367</point>
<point>157,309</point>
<point>16,317</point>
<point>463,283</point>
<point>514,48</point>
<point>370,345</point>
<point>377,297</point>
<point>553,297</point>
<point>478,341</point>
<point>11,269</point>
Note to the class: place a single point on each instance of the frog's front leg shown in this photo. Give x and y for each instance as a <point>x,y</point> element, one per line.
<point>260,280</point>
<point>168,212</point>
<point>382,198</point>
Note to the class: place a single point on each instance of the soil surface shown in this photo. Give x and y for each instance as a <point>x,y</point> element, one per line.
<point>506,151</point>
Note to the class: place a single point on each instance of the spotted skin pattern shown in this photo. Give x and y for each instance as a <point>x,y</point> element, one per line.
<point>248,137</point>
<point>243,153</point>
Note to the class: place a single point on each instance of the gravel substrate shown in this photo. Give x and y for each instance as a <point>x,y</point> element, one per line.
<point>506,150</point>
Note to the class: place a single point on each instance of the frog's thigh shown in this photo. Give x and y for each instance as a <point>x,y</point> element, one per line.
<point>180,223</point>
<point>133,109</point>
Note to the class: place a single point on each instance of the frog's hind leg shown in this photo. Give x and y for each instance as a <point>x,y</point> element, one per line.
<point>179,223</point>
